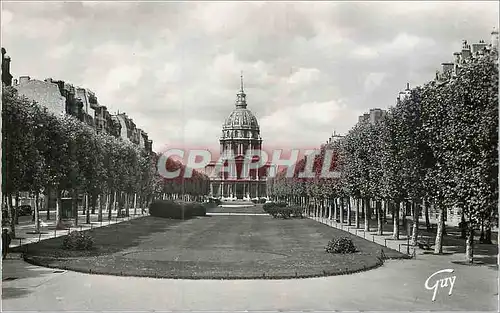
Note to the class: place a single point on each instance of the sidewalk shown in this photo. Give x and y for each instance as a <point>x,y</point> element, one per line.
<point>452,243</point>
<point>25,229</point>
<point>385,240</point>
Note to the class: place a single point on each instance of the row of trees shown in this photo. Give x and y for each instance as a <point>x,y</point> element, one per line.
<point>437,147</point>
<point>45,154</point>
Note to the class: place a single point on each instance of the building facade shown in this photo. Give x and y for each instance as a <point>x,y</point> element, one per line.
<point>240,135</point>
<point>126,129</point>
<point>57,96</point>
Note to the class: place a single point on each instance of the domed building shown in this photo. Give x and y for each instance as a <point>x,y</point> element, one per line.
<point>240,133</point>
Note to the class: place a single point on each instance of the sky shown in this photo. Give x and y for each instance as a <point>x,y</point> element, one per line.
<point>310,68</point>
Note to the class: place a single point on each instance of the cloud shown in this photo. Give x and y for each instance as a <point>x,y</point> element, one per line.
<point>373,80</point>
<point>304,76</point>
<point>175,68</point>
<point>61,51</point>
<point>123,74</point>
<point>7,17</point>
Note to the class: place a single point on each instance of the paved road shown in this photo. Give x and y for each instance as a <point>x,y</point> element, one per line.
<point>398,285</point>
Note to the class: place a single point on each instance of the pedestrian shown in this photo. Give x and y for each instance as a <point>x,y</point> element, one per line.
<point>5,243</point>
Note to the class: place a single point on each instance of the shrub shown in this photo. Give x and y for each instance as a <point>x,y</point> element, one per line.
<point>170,209</point>
<point>340,245</point>
<point>280,209</point>
<point>297,211</point>
<point>196,209</point>
<point>77,240</point>
<point>267,206</point>
<point>209,205</point>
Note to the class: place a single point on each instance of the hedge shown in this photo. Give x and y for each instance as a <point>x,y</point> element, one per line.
<point>175,210</point>
<point>281,210</point>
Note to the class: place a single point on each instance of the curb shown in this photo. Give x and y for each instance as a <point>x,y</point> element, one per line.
<point>379,263</point>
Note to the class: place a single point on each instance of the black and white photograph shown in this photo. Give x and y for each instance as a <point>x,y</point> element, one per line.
<point>245,156</point>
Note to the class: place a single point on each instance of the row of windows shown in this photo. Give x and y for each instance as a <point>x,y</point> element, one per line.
<point>239,134</point>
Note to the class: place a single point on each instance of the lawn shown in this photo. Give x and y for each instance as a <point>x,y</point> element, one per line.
<point>213,247</point>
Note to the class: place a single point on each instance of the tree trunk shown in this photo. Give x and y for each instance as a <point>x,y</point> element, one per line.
<point>362,207</point>
<point>74,204</point>
<point>463,226</point>
<point>416,217</point>
<point>349,203</point>
<point>114,201</point>
<point>469,243</point>
<point>58,209</point>
<point>395,220</point>
<point>356,217</point>
<point>37,213</point>
<point>438,245</point>
<point>12,213</point>
<point>384,212</point>
<point>335,208</point>
<point>341,210</point>
<point>46,200</point>
<point>487,234</point>
<point>100,203</point>
<point>84,205</point>
<point>87,209</point>
<point>366,202</point>
<point>330,203</point>
<point>380,226</point>
<point>127,204</point>
<point>135,204</point>
<point>33,211</point>
<point>426,212</point>
<point>16,212</point>
<point>109,199</point>
<point>93,203</point>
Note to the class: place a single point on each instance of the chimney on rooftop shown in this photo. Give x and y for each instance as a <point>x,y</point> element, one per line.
<point>494,38</point>
<point>465,50</point>
<point>23,79</point>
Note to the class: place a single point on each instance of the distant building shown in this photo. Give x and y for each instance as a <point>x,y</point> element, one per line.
<point>103,122</point>
<point>127,130</point>
<point>468,53</point>
<point>61,98</point>
<point>6,75</point>
<point>56,96</point>
<point>240,134</point>
<point>335,137</point>
<point>403,95</point>
<point>89,105</point>
<point>373,117</point>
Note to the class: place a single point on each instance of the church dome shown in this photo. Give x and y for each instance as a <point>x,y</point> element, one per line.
<point>241,123</point>
<point>241,118</point>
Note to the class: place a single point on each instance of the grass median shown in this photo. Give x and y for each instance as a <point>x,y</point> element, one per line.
<point>212,247</point>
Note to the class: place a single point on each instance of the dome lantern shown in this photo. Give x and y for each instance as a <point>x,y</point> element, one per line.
<point>241,102</point>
